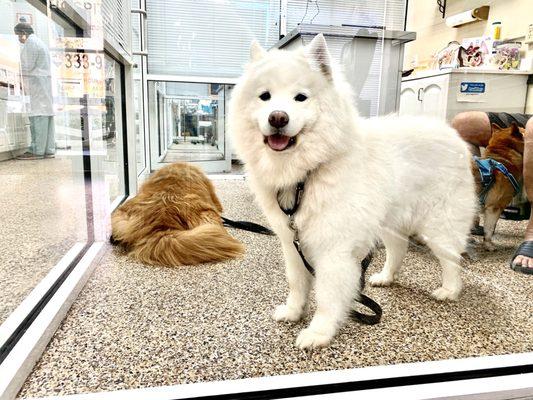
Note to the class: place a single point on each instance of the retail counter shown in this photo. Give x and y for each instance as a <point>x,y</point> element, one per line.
<point>445,93</point>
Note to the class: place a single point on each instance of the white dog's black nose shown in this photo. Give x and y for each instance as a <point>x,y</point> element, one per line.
<point>278,119</point>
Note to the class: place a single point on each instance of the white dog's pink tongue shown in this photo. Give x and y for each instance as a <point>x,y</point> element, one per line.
<point>278,142</point>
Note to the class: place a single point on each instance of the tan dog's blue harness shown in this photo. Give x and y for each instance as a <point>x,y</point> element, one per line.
<point>487,168</point>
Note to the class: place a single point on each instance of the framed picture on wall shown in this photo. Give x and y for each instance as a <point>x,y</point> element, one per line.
<point>24,17</point>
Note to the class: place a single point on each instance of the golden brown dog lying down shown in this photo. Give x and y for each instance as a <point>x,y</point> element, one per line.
<point>507,147</point>
<point>175,219</point>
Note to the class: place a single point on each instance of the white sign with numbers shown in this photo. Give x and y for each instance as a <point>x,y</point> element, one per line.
<point>80,73</point>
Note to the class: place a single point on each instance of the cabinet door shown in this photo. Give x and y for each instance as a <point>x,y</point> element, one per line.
<point>432,101</point>
<point>3,140</point>
<point>3,121</point>
<point>434,96</point>
<point>425,96</point>
<point>11,130</point>
<point>409,103</point>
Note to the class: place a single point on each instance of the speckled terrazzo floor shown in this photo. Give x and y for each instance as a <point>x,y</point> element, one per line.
<point>42,216</point>
<point>137,326</point>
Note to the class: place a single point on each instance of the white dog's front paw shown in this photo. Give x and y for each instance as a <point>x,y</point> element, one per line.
<point>445,294</point>
<point>285,313</point>
<point>380,279</point>
<point>310,339</point>
<point>489,246</point>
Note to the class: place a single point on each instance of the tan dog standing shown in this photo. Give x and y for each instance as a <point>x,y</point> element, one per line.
<point>507,147</point>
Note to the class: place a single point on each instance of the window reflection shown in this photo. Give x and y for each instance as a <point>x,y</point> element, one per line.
<point>107,146</point>
<point>43,213</point>
<point>190,120</point>
<point>37,84</point>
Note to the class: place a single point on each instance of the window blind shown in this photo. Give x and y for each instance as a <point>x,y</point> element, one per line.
<point>212,37</point>
<point>385,13</point>
<point>117,22</point>
<point>207,37</point>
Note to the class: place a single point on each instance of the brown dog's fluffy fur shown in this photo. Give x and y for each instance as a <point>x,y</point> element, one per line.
<point>175,219</point>
<point>506,146</point>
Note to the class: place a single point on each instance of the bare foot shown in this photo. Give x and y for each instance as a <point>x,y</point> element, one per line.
<point>525,262</point>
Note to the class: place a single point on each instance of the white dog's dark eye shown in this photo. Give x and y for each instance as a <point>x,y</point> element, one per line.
<point>265,96</point>
<point>300,97</point>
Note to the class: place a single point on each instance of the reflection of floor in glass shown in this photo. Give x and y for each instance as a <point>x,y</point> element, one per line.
<point>153,326</point>
<point>104,151</point>
<point>200,155</point>
<point>42,216</point>
<point>194,148</point>
<point>193,152</point>
<point>113,171</point>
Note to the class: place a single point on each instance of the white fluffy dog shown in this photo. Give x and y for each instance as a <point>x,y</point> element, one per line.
<point>292,119</point>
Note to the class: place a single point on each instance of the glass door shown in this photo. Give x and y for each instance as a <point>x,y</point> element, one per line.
<point>187,124</point>
<point>45,195</point>
<point>62,155</point>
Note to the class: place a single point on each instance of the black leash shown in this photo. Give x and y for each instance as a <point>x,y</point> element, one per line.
<point>367,319</point>
<point>247,226</point>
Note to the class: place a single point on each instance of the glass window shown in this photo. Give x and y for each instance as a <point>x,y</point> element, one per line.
<point>42,176</point>
<point>62,152</point>
<point>390,186</point>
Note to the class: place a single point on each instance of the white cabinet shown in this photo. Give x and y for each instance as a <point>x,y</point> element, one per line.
<point>410,104</point>
<point>439,94</point>
<point>14,127</point>
<point>3,119</point>
<point>424,96</point>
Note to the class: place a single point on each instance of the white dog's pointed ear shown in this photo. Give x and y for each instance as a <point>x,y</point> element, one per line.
<point>318,54</point>
<point>256,51</point>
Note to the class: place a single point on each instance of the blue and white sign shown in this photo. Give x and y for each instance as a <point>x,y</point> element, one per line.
<point>473,87</point>
<point>472,92</point>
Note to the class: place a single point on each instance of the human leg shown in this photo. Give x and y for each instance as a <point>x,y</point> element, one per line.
<point>474,127</point>
<point>32,152</point>
<point>40,124</point>
<point>50,148</point>
<point>523,262</point>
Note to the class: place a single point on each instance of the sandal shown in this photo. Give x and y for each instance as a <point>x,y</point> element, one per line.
<point>525,249</point>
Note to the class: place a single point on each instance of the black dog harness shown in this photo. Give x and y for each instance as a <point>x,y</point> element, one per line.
<point>368,319</point>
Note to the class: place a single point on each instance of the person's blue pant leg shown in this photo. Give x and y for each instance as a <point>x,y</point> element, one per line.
<point>42,135</point>
<point>33,132</point>
<point>51,137</point>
